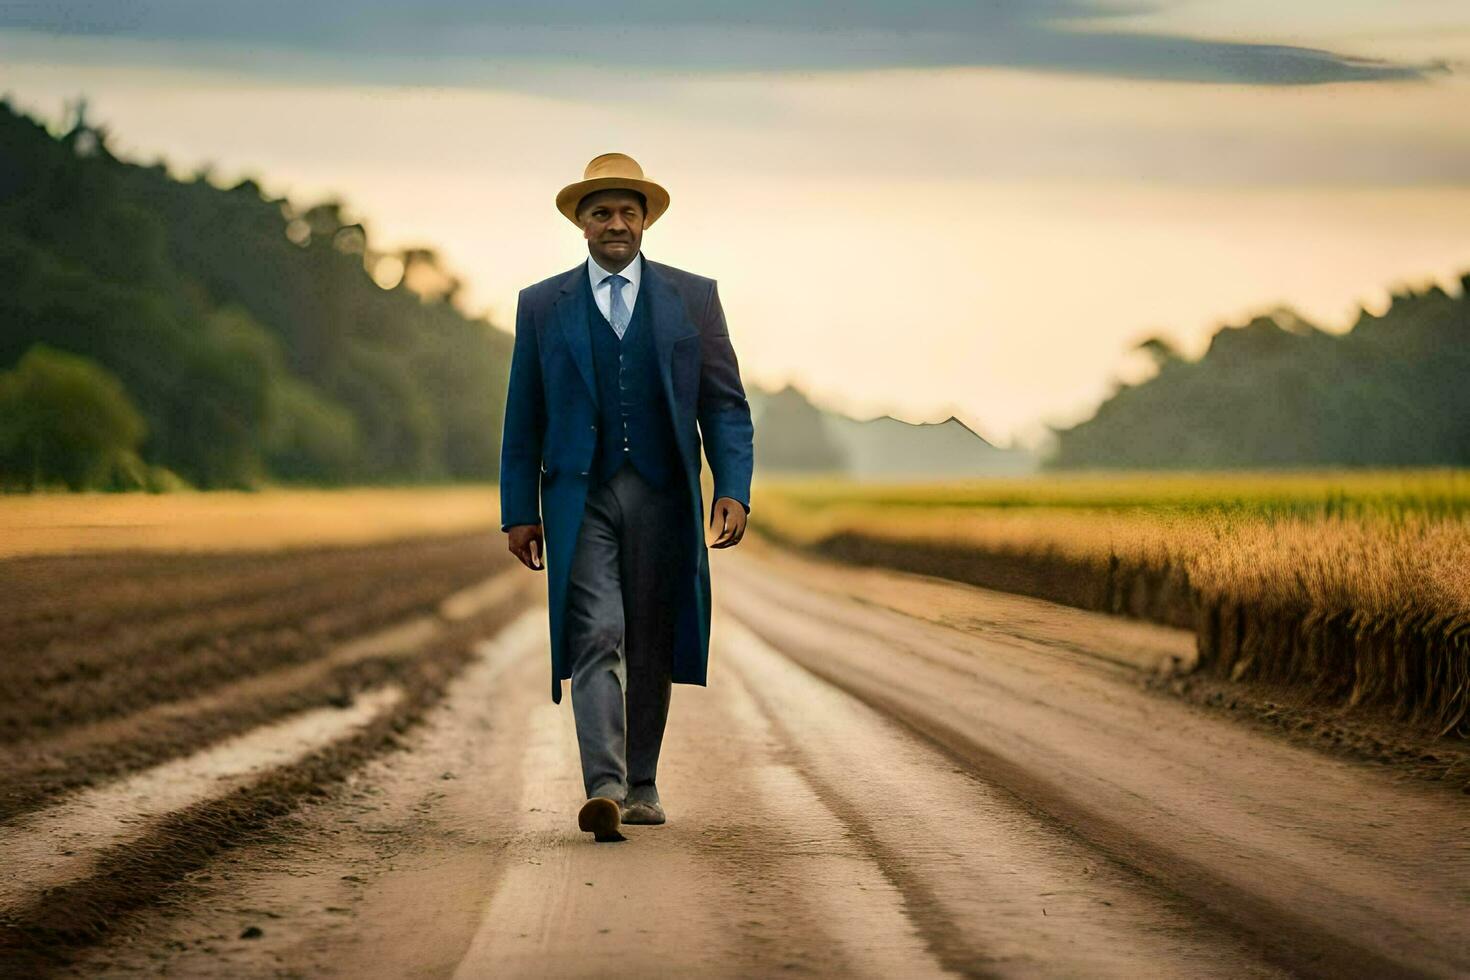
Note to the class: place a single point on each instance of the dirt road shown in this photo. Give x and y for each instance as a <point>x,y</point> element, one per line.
<point>887,776</point>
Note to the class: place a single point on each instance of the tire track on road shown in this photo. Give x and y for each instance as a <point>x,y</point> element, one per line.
<point>1304,894</point>
<point>751,876</point>
<point>994,890</point>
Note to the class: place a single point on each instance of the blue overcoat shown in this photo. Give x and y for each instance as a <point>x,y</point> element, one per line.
<point>550,434</point>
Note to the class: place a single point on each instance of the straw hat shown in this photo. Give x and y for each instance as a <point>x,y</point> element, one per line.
<point>612,170</point>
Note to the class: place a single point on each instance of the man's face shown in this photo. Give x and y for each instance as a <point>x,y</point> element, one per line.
<point>612,223</point>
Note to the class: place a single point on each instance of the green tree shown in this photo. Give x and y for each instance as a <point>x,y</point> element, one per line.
<point>64,419</point>
<point>246,329</point>
<point>1278,392</point>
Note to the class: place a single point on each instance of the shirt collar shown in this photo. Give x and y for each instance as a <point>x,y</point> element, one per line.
<point>633,271</point>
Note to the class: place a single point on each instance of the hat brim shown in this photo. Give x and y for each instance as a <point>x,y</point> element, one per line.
<point>569,196</point>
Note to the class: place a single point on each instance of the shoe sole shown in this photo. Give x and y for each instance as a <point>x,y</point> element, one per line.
<point>599,817</point>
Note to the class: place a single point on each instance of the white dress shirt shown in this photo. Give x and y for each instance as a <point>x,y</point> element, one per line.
<point>602,291</point>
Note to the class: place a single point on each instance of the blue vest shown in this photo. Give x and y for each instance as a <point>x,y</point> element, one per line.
<point>632,419</point>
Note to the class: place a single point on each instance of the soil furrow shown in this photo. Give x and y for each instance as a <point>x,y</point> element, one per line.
<point>98,676</point>
<point>39,936</point>
<point>40,595</point>
<point>38,771</point>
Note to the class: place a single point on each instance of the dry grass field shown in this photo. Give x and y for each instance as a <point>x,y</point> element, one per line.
<point>1353,585</point>
<point>222,520</point>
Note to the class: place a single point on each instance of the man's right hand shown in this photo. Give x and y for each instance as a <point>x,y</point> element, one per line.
<point>527,544</point>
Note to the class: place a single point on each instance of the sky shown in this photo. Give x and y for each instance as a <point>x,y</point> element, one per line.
<point>924,209</point>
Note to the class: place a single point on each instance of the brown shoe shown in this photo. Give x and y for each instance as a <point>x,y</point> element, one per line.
<point>599,816</point>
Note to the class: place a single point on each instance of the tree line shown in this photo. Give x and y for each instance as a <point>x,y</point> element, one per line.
<point>1279,392</point>
<point>158,332</point>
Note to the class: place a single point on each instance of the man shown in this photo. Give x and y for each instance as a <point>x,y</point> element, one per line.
<point>616,360</point>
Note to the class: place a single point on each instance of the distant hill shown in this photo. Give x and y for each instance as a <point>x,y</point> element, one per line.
<point>890,448</point>
<point>792,435</point>
<point>1279,392</point>
<point>156,328</point>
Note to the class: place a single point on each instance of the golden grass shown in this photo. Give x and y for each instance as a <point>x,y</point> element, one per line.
<point>1374,563</point>
<point>62,523</point>
<point>1360,580</point>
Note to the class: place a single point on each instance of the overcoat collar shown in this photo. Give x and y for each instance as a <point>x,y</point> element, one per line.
<point>668,318</point>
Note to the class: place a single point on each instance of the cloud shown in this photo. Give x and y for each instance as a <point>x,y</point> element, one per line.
<point>457,40</point>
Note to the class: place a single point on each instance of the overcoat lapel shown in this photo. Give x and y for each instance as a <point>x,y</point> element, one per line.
<point>571,315</point>
<point>669,320</point>
<point>671,324</point>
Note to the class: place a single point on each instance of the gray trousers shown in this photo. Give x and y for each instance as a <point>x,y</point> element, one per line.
<point>620,630</point>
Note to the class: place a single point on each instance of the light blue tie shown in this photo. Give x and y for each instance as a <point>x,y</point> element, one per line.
<point>618,308</point>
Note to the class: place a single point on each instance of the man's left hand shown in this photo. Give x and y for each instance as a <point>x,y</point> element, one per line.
<point>726,522</point>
